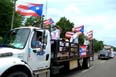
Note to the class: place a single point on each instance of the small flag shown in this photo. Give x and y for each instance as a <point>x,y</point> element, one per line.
<point>69,34</point>
<point>48,22</point>
<point>90,34</point>
<point>79,29</point>
<point>30,9</point>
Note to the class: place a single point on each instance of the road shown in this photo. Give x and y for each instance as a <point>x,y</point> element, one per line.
<point>99,68</point>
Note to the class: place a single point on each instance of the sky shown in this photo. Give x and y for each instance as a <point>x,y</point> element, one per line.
<point>96,15</point>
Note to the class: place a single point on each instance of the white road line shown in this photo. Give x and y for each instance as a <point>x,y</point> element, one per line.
<point>87,69</point>
<point>91,67</point>
<point>75,76</point>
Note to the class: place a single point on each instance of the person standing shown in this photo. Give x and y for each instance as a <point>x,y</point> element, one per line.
<point>55,37</point>
<point>55,34</point>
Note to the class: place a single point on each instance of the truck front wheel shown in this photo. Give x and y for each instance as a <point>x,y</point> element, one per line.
<point>17,74</point>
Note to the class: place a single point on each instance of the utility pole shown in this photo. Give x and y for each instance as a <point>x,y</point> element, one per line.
<point>13,13</point>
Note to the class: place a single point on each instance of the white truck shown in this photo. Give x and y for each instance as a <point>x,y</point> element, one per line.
<point>110,50</point>
<point>20,58</point>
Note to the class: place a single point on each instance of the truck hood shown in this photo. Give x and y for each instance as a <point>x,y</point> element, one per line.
<point>6,50</point>
<point>11,52</point>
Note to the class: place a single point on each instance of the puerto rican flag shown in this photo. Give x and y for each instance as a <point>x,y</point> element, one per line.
<point>83,51</point>
<point>90,34</point>
<point>69,34</point>
<point>79,29</point>
<point>30,9</point>
<point>48,22</point>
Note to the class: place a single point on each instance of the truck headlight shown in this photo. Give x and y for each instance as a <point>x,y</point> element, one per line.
<point>6,54</point>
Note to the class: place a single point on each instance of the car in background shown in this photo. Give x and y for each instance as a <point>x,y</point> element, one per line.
<point>103,54</point>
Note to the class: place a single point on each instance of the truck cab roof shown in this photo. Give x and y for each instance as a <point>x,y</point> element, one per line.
<point>31,27</point>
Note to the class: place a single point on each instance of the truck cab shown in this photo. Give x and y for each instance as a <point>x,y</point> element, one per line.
<point>19,54</point>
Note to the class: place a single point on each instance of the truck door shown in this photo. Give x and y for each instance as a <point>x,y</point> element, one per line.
<point>39,55</point>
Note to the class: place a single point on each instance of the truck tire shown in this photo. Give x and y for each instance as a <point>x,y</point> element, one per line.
<point>17,74</point>
<point>80,63</point>
<point>86,63</point>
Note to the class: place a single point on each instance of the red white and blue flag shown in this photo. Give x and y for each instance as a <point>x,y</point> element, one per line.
<point>90,34</point>
<point>69,34</point>
<point>30,9</point>
<point>83,51</point>
<point>79,29</point>
<point>48,22</point>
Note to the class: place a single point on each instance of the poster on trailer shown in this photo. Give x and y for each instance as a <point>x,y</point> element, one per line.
<point>83,50</point>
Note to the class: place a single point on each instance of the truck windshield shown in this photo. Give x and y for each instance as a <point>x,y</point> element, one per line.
<point>17,38</point>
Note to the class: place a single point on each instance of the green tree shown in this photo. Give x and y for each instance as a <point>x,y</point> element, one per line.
<point>5,15</point>
<point>114,48</point>
<point>6,10</point>
<point>81,39</point>
<point>18,20</point>
<point>97,45</point>
<point>31,20</point>
<point>65,25</point>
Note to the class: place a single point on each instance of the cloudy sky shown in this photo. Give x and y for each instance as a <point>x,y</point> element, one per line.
<point>96,15</point>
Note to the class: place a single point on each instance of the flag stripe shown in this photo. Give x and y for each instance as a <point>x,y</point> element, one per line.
<point>27,13</point>
<point>23,7</point>
<point>69,34</point>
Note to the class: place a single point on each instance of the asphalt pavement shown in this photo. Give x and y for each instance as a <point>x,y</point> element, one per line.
<point>99,68</point>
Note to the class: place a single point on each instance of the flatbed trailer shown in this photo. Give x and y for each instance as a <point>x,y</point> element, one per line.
<point>67,56</point>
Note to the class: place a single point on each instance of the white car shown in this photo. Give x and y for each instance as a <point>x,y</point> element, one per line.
<point>103,54</point>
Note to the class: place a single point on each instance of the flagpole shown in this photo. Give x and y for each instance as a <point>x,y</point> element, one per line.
<point>46,7</point>
<point>13,13</point>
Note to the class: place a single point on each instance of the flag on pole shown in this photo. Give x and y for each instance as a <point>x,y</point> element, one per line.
<point>48,22</point>
<point>79,29</point>
<point>30,9</point>
<point>90,34</point>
